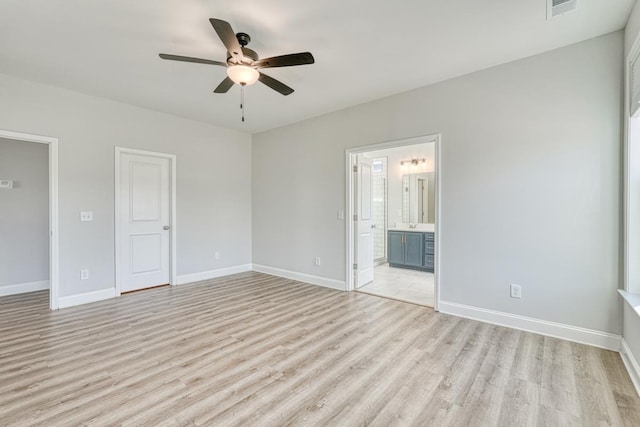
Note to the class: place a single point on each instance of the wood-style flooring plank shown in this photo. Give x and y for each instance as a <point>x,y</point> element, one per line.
<point>254,349</point>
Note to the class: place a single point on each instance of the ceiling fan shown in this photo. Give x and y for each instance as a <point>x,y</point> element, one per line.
<point>243,63</point>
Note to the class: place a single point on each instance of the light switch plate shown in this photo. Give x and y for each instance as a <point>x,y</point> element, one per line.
<point>86,216</point>
<point>516,291</point>
<point>7,184</point>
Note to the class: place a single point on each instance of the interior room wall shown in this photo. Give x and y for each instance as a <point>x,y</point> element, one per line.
<point>213,178</point>
<point>24,213</point>
<point>530,183</point>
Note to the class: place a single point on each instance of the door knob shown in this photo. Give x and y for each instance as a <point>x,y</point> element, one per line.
<point>166,227</point>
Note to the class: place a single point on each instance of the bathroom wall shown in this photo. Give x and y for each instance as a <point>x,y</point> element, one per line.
<point>379,205</point>
<point>396,171</point>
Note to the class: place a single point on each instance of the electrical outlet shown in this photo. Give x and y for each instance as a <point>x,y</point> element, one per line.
<point>84,274</point>
<point>516,291</point>
<point>316,261</point>
<point>340,214</point>
<point>86,216</point>
<point>217,255</point>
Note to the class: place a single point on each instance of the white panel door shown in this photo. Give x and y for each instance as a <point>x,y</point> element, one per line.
<point>144,221</point>
<point>364,222</point>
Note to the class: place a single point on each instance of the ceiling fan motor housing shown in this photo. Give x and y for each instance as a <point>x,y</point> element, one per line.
<point>249,56</point>
<point>243,38</point>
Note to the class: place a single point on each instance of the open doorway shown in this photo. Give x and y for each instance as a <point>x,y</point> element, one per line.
<point>393,239</point>
<point>28,209</point>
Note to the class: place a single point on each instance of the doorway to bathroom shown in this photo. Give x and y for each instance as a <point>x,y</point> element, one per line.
<point>393,240</point>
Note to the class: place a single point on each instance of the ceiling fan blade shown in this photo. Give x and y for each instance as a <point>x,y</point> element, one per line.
<point>275,84</point>
<point>228,37</point>
<point>224,86</point>
<point>189,59</point>
<point>285,60</point>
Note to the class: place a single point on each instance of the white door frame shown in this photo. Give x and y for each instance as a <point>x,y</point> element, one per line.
<point>350,158</point>
<point>54,259</point>
<point>173,270</point>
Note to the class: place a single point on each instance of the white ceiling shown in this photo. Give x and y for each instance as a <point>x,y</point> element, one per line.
<point>364,49</point>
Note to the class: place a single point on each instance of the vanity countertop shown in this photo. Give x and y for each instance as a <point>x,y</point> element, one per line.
<point>420,228</point>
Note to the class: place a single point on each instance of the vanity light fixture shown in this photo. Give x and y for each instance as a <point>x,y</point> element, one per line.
<point>414,162</point>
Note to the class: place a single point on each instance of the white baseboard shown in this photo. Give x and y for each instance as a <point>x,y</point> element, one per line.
<point>632,365</point>
<point>21,288</point>
<point>529,324</point>
<point>212,274</point>
<point>87,297</point>
<point>301,277</point>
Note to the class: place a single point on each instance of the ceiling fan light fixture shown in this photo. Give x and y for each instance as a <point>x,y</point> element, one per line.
<point>243,74</point>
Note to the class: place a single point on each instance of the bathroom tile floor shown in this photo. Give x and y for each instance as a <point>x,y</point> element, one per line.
<point>401,284</point>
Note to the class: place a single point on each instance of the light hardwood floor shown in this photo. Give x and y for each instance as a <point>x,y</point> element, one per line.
<point>256,350</point>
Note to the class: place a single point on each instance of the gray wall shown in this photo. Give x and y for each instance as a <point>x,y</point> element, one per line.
<point>213,178</point>
<point>530,183</point>
<point>24,213</point>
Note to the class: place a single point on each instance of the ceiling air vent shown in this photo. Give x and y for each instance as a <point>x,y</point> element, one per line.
<point>560,7</point>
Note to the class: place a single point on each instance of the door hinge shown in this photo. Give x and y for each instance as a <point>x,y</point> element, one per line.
<point>355,266</point>
<point>355,168</point>
<point>355,217</point>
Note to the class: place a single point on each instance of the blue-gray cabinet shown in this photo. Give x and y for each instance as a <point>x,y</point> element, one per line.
<point>395,249</point>
<point>409,249</point>
<point>429,251</point>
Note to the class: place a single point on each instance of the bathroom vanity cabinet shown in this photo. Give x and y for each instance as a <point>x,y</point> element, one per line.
<point>411,249</point>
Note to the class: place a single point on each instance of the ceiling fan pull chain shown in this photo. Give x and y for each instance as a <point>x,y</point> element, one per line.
<point>242,100</point>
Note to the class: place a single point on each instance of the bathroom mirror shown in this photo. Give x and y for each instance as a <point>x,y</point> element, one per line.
<point>418,198</point>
